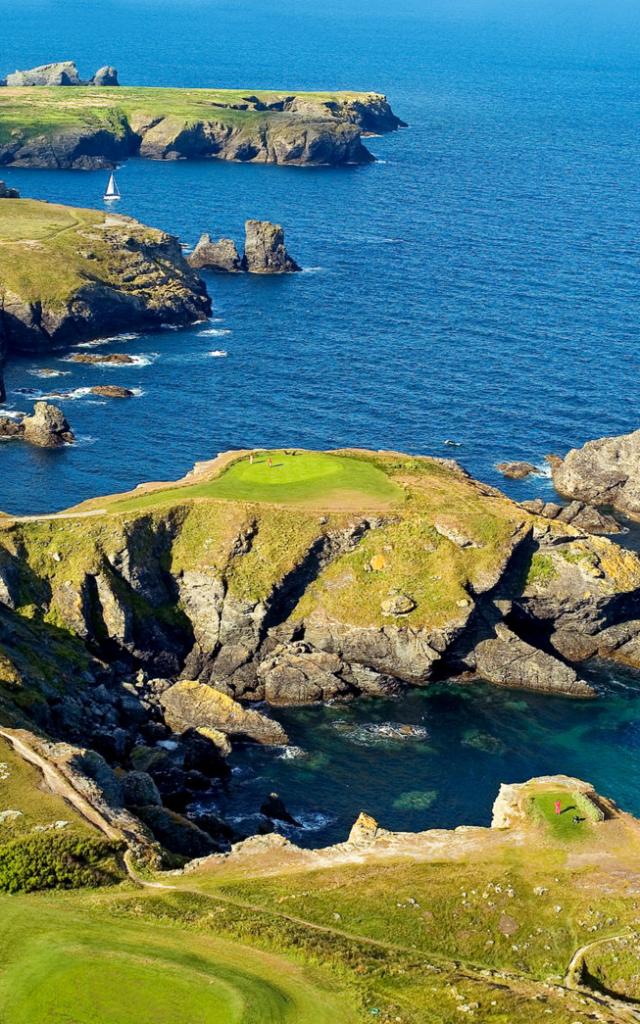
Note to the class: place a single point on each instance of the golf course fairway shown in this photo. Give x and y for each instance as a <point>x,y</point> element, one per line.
<point>62,964</point>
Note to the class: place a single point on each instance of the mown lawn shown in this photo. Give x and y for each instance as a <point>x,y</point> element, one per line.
<point>60,963</point>
<point>278,477</point>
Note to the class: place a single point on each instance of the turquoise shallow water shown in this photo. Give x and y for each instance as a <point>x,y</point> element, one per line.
<point>478,283</point>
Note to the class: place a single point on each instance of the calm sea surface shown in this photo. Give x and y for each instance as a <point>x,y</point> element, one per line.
<point>478,283</point>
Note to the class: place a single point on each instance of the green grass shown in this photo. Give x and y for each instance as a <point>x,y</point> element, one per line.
<point>62,964</point>
<point>562,826</point>
<point>305,478</point>
<point>45,249</point>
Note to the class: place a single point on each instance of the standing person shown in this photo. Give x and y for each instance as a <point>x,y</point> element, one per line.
<point>558,807</point>
<point>251,459</point>
<point>269,462</point>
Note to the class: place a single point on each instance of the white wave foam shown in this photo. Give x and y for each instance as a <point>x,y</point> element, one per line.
<point>313,270</point>
<point>110,340</point>
<point>218,353</point>
<point>136,360</point>
<point>45,374</point>
<point>214,332</point>
<point>291,753</point>
<point>12,414</point>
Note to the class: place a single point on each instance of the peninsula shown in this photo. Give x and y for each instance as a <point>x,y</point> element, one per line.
<point>91,127</point>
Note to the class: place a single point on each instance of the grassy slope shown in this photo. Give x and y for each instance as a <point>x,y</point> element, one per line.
<point>21,790</point>
<point>43,249</point>
<point>37,111</point>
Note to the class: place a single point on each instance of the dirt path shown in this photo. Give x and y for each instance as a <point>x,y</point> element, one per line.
<point>10,520</point>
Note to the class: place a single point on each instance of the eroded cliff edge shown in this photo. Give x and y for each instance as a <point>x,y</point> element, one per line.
<point>89,127</point>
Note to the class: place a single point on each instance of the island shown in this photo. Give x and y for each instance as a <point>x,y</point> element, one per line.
<point>88,126</point>
<point>68,275</point>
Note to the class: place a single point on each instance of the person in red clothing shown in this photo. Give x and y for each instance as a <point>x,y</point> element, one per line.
<point>558,807</point>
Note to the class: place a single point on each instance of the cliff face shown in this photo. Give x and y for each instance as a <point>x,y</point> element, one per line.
<point>69,275</point>
<point>44,128</point>
<point>287,605</point>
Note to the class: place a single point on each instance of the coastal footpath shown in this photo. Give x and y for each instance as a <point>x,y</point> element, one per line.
<point>88,127</point>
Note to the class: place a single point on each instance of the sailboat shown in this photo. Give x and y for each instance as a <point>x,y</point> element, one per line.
<point>113,192</point>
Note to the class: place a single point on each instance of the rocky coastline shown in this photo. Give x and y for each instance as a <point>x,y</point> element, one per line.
<point>264,252</point>
<point>105,126</point>
<point>172,649</point>
<point>118,274</point>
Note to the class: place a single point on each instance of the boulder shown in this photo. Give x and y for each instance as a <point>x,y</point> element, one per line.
<point>274,808</point>
<point>576,513</point>
<point>509,661</point>
<point>517,470</point>
<point>296,674</point>
<point>603,472</point>
<point>48,427</point>
<point>222,256</point>
<point>10,427</point>
<point>105,76</point>
<point>177,834</point>
<point>8,193</point>
<point>61,73</point>
<point>397,604</point>
<point>112,391</point>
<point>140,790</point>
<point>192,705</point>
<point>264,250</point>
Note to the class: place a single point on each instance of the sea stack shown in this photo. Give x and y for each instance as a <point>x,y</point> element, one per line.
<point>221,256</point>
<point>265,251</point>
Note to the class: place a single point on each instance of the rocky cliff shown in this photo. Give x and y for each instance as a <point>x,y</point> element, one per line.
<point>603,472</point>
<point>68,275</point>
<point>89,128</point>
<point>158,615</point>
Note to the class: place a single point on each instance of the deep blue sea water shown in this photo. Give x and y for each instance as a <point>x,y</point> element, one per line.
<point>479,283</point>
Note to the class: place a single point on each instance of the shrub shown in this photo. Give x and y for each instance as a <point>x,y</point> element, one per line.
<point>57,861</point>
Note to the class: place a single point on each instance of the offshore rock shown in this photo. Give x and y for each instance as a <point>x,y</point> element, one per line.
<point>105,76</point>
<point>48,427</point>
<point>222,256</point>
<point>112,391</point>
<point>603,472</point>
<point>61,73</point>
<point>517,470</point>
<point>8,193</point>
<point>265,251</point>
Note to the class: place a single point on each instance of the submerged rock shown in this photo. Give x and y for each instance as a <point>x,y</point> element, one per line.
<point>265,251</point>
<point>222,256</point>
<point>111,358</point>
<point>274,808</point>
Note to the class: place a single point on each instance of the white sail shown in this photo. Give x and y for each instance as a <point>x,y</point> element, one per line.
<point>113,192</point>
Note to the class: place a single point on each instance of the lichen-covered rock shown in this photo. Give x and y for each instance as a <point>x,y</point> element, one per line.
<point>48,427</point>
<point>191,705</point>
<point>603,472</point>
<point>222,256</point>
<point>264,249</point>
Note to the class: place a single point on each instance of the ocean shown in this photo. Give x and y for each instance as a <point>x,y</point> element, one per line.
<point>478,283</point>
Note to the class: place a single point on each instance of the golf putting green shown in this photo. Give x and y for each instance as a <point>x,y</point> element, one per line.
<point>279,477</point>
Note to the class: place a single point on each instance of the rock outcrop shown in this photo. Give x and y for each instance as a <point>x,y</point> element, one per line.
<point>508,661</point>
<point>265,251</point>
<point>60,73</point>
<point>222,256</point>
<point>46,428</point>
<point>603,472</point>
<point>8,193</point>
<point>583,517</point>
<point>193,705</point>
<point>111,391</point>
